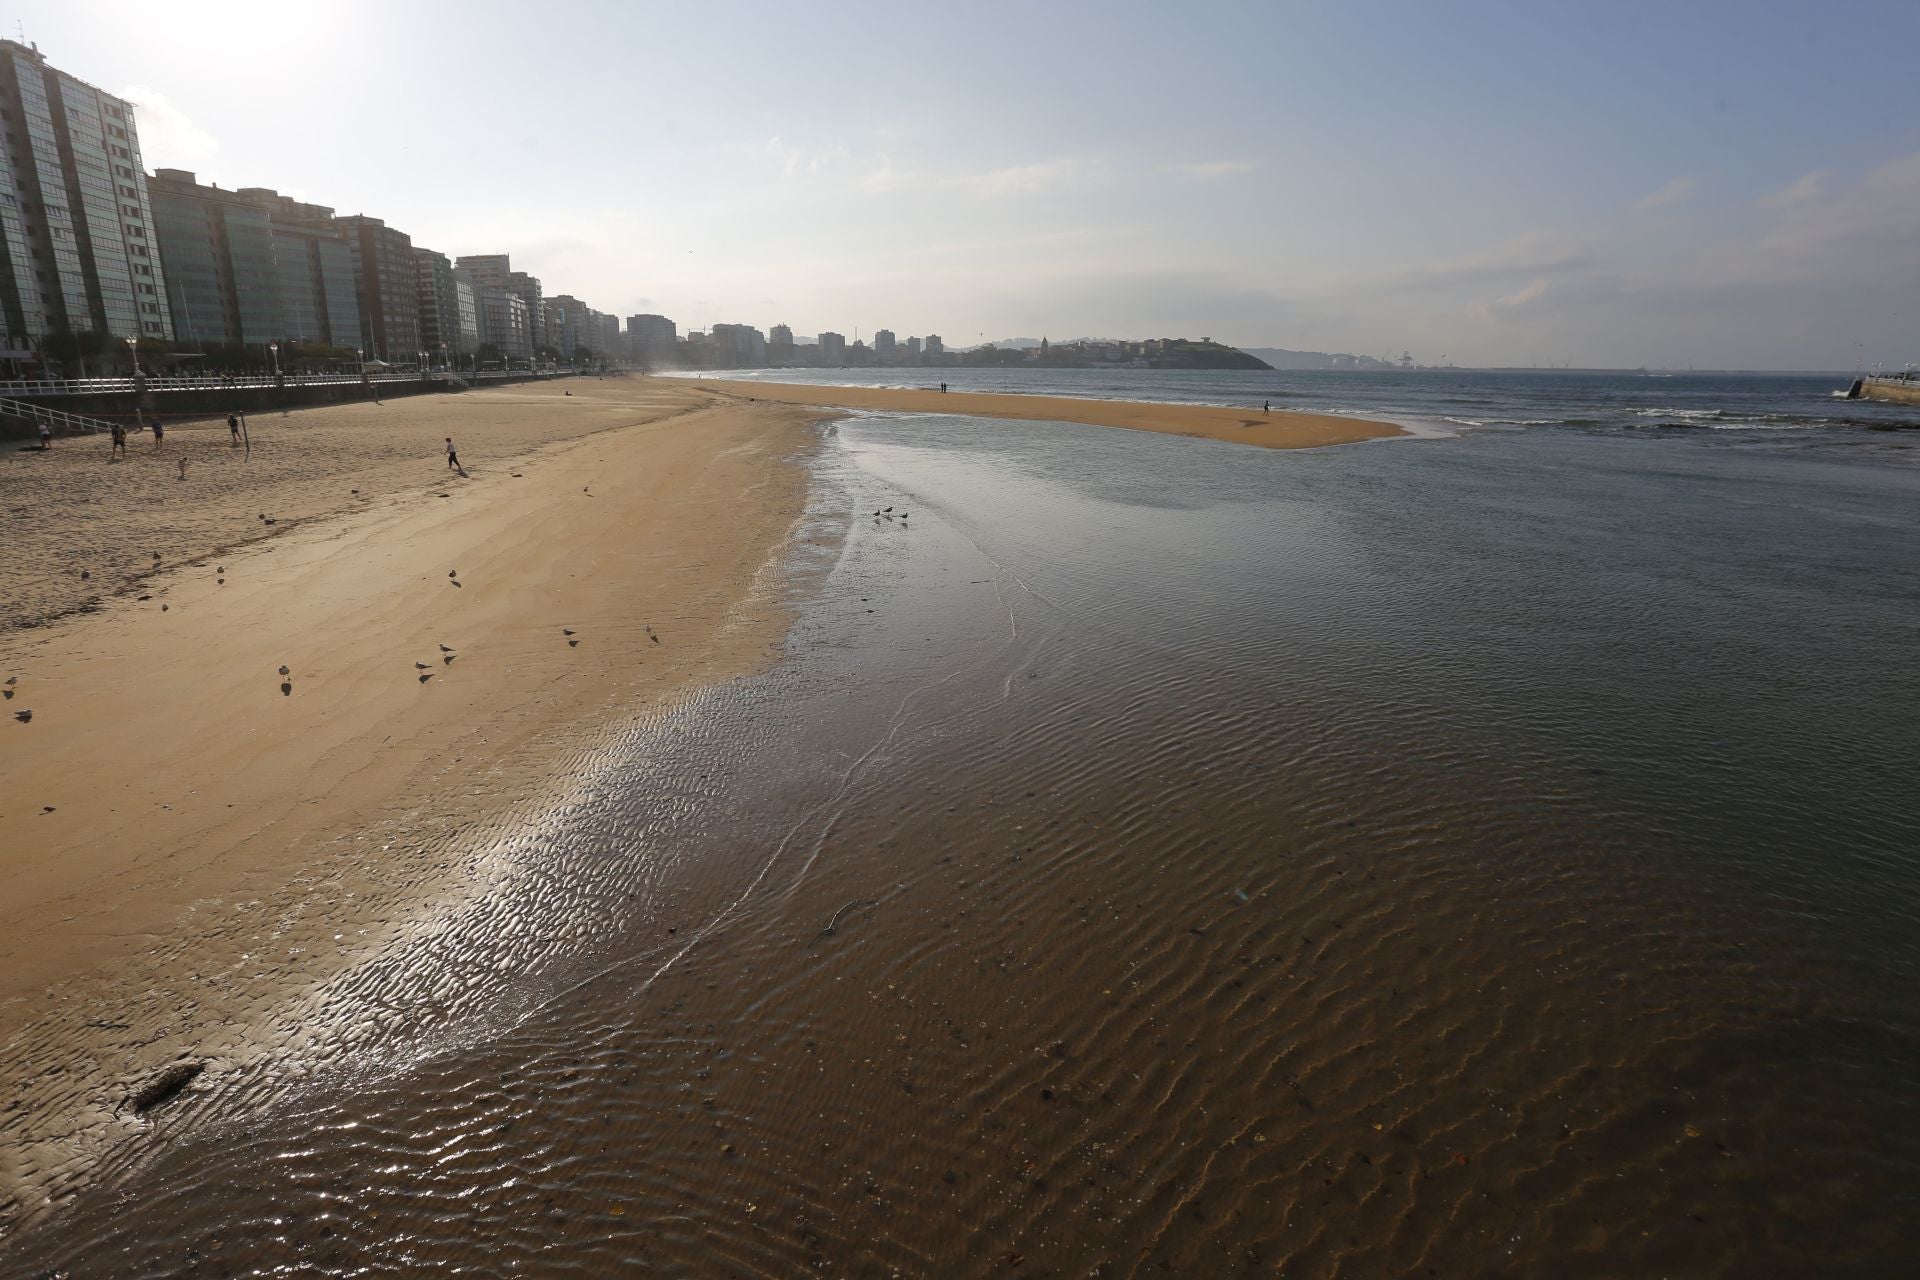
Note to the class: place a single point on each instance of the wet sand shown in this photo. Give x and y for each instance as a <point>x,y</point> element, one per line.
<point>1279,429</point>
<point>191,835</point>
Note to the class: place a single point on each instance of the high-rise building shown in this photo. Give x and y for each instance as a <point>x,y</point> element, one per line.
<point>913,348</point>
<point>652,339</point>
<point>469,317</point>
<point>485,270</point>
<point>883,345</point>
<point>934,345</point>
<point>738,346</point>
<point>780,345</point>
<point>217,248</point>
<point>527,289</point>
<point>833,348</point>
<point>387,281</point>
<point>503,322</point>
<point>609,335</point>
<point>439,304</point>
<point>313,261</point>
<point>77,251</point>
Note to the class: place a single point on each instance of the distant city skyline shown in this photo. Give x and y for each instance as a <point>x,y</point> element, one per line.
<point>1721,185</point>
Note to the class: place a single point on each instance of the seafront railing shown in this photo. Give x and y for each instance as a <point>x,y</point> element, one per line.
<point>95,386</point>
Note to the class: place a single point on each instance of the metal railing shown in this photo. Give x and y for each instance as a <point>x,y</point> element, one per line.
<point>58,419</point>
<point>96,386</point>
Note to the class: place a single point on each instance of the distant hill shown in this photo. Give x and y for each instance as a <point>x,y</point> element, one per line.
<point>1281,358</point>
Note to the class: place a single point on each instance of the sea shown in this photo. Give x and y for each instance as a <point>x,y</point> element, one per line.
<point>1493,851</point>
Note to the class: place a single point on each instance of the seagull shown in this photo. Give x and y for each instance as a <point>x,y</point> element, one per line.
<point>13,679</point>
<point>453,573</point>
<point>566,631</point>
<point>425,676</point>
<point>445,648</point>
<point>284,671</point>
<point>420,666</point>
<point>23,716</point>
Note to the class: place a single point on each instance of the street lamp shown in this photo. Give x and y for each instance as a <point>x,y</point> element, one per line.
<point>133,353</point>
<point>273,349</point>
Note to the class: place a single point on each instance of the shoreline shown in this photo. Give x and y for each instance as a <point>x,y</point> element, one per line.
<point>1278,429</point>
<point>191,846</point>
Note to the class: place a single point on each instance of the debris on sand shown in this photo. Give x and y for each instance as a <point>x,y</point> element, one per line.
<point>166,1086</point>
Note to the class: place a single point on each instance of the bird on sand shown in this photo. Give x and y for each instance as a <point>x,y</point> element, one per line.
<point>284,671</point>
<point>23,716</point>
<point>453,573</point>
<point>420,666</point>
<point>566,631</point>
<point>446,648</point>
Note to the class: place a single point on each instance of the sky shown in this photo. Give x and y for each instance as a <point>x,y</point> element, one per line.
<point>1605,184</point>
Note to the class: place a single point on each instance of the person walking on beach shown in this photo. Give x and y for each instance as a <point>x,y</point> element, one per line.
<point>119,442</point>
<point>159,433</point>
<point>1266,406</point>
<point>46,437</point>
<point>233,428</point>
<point>453,458</point>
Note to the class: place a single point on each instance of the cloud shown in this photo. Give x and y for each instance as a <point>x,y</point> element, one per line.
<point>1679,191</point>
<point>1028,179</point>
<point>1208,170</point>
<point>1529,254</point>
<point>794,161</point>
<point>168,138</point>
<point>1808,188</point>
<point>1519,300</point>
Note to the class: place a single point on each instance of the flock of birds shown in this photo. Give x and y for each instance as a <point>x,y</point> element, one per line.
<point>424,669</point>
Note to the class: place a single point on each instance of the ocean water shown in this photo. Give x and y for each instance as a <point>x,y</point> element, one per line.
<point>1487,855</point>
<point>1797,411</point>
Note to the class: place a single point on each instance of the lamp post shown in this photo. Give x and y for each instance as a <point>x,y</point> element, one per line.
<point>133,353</point>
<point>273,349</point>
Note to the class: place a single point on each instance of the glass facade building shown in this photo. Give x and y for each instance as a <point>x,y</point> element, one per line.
<point>223,274</point>
<point>313,263</point>
<point>77,246</point>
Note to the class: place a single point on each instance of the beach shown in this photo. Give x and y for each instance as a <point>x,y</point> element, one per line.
<point>452,644</point>
<point>1142,856</point>
<point>1266,428</point>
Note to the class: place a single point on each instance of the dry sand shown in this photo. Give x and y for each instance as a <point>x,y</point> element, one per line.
<point>1277,430</point>
<point>173,787</point>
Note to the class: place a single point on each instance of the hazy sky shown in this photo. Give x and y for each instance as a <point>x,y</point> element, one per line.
<point>1604,182</point>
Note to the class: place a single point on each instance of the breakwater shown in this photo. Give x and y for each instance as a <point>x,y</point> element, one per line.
<point>1890,390</point>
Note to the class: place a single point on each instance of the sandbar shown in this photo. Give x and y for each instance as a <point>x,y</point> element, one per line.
<point>1278,429</point>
